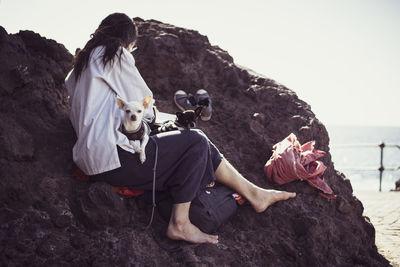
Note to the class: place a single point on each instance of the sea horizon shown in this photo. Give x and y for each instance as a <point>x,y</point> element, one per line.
<point>355,152</point>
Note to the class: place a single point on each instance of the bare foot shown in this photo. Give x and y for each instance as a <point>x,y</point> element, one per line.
<point>188,232</point>
<point>263,198</point>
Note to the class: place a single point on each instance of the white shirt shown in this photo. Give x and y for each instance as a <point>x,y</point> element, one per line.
<point>95,114</point>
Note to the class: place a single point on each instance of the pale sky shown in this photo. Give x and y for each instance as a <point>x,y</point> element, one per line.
<point>340,56</point>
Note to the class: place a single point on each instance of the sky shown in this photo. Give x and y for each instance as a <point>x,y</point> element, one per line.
<point>340,56</point>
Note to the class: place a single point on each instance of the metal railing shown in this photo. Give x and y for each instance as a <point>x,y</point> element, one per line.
<point>381,168</point>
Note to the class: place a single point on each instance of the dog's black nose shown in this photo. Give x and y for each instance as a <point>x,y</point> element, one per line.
<point>133,117</point>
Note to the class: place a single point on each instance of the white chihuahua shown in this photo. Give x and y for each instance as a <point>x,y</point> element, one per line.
<point>133,126</point>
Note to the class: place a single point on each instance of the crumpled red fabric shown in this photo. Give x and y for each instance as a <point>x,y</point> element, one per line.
<point>292,161</point>
<point>125,191</point>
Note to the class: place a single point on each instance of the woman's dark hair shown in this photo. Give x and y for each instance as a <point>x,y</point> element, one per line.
<point>114,31</point>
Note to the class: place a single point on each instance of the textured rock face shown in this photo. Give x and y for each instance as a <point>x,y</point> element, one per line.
<point>48,218</point>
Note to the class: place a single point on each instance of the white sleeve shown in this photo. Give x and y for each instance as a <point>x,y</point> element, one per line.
<point>124,78</point>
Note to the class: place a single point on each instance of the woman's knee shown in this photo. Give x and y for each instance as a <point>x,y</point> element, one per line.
<point>197,135</point>
<point>216,156</point>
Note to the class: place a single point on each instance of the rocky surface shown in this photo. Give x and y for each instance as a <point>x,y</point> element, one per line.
<point>48,218</point>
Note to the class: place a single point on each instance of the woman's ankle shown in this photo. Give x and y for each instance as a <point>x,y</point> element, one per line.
<point>180,213</point>
<point>179,221</point>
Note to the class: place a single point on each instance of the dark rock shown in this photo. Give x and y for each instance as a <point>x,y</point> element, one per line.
<point>78,241</point>
<point>62,221</point>
<point>53,246</point>
<point>49,219</point>
<point>16,141</point>
<point>100,206</point>
<point>343,205</point>
<point>3,33</point>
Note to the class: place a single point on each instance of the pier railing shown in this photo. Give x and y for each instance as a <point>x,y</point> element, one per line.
<point>381,168</point>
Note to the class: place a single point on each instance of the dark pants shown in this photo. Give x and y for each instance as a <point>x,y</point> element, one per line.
<point>186,162</point>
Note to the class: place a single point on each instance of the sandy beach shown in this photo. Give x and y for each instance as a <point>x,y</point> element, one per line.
<point>383,209</point>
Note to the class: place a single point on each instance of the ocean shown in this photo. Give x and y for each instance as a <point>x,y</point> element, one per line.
<point>356,153</point>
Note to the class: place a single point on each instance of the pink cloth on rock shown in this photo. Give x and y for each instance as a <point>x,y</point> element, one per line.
<point>292,161</point>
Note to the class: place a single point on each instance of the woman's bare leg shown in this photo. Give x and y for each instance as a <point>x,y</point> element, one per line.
<point>180,227</point>
<point>258,197</point>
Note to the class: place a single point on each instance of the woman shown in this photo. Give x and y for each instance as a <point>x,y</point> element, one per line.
<point>186,160</point>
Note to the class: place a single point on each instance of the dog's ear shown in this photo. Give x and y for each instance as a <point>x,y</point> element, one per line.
<point>197,111</point>
<point>179,115</point>
<point>146,101</point>
<point>121,103</point>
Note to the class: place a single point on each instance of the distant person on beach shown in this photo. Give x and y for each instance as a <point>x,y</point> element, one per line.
<point>186,160</point>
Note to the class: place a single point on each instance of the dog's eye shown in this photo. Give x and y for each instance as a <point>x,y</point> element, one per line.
<point>127,111</point>
<point>139,111</point>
